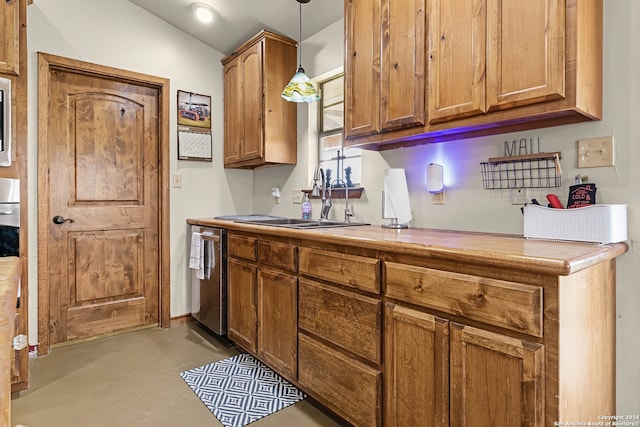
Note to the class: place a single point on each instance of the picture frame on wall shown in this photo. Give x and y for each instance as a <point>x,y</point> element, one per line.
<point>194,127</point>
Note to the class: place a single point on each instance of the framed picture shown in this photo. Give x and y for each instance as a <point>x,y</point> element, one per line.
<point>194,127</point>
<point>194,110</point>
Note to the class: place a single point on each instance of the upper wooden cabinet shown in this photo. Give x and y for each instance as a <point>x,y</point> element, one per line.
<point>385,65</point>
<point>492,66</point>
<point>259,126</point>
<point>522,61</point>
<point>10,37</point>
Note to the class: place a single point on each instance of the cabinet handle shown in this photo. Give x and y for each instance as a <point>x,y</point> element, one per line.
<point>419,288</point>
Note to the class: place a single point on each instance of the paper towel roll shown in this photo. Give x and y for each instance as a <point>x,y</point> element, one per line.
<point>396,195</point>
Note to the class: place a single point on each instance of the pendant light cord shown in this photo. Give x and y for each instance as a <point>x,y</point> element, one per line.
<point>300,38</point>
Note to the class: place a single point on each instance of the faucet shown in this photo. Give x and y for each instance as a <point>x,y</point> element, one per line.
<point>318,175</point>
<point>348,213</point>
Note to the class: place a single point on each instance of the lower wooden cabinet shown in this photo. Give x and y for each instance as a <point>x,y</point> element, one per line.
<point>263,300</point>
<point>348,387</point>
<point>277,321</point>
<point>242,303</point>
<point>416,368</point>
<point>439,373</point>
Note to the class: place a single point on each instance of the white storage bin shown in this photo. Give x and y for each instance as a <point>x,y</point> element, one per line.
<point>595,223</point>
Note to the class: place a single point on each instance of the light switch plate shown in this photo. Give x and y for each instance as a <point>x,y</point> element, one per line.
<point>595,152</point>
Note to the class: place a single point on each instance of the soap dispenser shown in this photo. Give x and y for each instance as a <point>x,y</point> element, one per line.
<point>306,207</point>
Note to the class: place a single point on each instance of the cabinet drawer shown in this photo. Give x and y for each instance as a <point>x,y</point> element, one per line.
<point>242,246</point>
<point>350,270</point>
<point>350,388</point>
<point>277,254</point>
<point>344,318</point>
<point>505,304</point>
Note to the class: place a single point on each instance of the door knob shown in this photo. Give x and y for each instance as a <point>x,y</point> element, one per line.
<point>59,219</point>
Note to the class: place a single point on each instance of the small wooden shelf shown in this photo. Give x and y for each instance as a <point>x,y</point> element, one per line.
<point>339,193</point>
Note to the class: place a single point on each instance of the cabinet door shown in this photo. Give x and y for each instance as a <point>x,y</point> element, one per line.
<point>10,37</point>
<point>277,321</point>
<point>403,66</point>
<point>233,121</point>
<point>362,67</point>
<point>242,304</point>
<point>525,52</point>
<point>416,367</point>
<point>457,33</point>
<point>252,141</point>
<point>495,380</point>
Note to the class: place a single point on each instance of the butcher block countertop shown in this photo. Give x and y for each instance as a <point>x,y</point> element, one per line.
<point>499,250</point>
<point>9,279</point>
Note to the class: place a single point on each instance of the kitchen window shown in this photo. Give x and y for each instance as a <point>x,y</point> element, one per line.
<point>330,133</point>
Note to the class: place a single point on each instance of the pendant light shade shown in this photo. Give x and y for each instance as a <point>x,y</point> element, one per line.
<point>300,88</point>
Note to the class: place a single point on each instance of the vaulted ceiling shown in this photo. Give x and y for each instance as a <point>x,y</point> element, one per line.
<point>238,20</point>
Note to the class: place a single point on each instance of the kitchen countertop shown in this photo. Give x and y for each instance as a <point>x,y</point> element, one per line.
<point>500,250</point>
<point>9,279</point>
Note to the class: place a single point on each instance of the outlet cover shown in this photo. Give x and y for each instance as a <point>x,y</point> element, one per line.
<point>518,196</point>
<point>296,196</point>
<point>438,198</point>
<point>595,152</point>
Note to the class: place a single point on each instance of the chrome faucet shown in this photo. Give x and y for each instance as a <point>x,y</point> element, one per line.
<point>348,212</point>
<point>318,175</point>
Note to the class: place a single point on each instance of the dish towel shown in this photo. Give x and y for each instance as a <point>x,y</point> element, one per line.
<point>196,257</point>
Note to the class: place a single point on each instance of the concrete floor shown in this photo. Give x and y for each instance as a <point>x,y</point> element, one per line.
<point>132,379</point>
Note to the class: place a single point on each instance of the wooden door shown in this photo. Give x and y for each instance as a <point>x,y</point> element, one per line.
<point>233,121</point>
<point>525,52</point>
<point>403,69</point>
<point>10,36</point>
<point>242,303</point>
<point>252,103</point>
<point>416,367</point>
<point>362,67</point>
<point>278,321</point>
<point>495,380</point>
<point>103,199</point>
<point>457,58</point>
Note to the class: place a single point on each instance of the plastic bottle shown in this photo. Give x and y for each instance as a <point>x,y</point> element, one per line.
<point>306,207</point>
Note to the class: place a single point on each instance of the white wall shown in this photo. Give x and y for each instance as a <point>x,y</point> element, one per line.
<point>470,207</point>
<point>118,34</point>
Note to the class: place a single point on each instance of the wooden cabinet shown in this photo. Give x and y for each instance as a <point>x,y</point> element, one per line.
<point>242,304</point>
<point>259,126</point>
<point>416,368</point>
<point>497,376</point>
<point>10,37</point>
<point>385,65</point>
<point>493,55</point>
<point>430,327</point>
<point>278,307</point>
<point>463,375</point>
<point>347,386</point>
<point>340,331</point>
<point>263,300</point>
<point>483,67</point>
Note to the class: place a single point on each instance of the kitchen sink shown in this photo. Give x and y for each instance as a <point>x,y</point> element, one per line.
<point>304,224</point>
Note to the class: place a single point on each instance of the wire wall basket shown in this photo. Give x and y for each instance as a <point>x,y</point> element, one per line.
<point>541,170</point>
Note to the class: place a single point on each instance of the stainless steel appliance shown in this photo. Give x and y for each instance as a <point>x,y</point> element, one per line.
<point>10,220</point>
<point>208,249</point>
<point>9,217</point>
<point>5,122</point>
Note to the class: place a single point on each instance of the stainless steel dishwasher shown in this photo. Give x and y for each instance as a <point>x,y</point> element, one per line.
<point>209,280</point>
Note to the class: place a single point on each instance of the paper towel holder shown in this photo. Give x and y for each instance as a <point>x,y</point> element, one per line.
<point>394,221</point>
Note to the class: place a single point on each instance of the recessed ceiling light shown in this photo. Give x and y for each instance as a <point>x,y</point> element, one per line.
<point>203,12</point>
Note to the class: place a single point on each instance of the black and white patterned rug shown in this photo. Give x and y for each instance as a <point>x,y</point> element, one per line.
<point>240,390</point>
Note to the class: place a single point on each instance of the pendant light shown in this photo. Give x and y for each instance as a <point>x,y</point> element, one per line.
<point>300,88</point>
